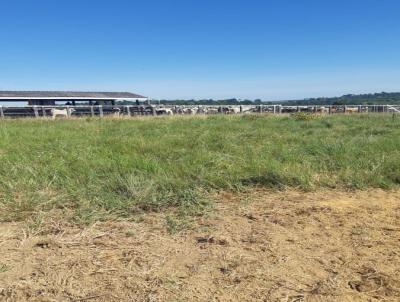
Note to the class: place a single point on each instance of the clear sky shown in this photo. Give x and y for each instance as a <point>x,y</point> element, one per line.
<point>202,48</point>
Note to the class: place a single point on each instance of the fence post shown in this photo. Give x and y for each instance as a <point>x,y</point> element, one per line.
<point>92,111</point>
<point>1,111</point>
<point>36,111</point>
<point>330,110</point>
<point>359,109</point>
<point>153,111</point>
<point>274,110</point>
<point>128,110</point>
<point>43,111</point>
<point>344,109</point>
<point>101,110</point>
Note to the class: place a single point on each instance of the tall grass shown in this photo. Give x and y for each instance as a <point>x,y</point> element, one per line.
<point>118,167</point>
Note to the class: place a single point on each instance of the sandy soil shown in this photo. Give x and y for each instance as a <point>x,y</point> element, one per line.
<point>258,246</point>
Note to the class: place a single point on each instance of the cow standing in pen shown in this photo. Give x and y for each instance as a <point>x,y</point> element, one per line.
<point>61,112</point>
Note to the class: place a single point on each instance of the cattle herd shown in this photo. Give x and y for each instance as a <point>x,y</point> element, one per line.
<point>139,110</point>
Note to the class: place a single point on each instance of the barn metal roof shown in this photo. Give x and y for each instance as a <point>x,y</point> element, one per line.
<point>67,95</point>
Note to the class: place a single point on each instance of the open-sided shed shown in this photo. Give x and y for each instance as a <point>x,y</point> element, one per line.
<point>43,98</point>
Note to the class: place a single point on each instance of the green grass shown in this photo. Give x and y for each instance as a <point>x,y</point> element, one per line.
<point>115,168</point>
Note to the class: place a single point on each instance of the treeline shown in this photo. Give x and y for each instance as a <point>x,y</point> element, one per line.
<point>381,98</point>
<point>348,99</point>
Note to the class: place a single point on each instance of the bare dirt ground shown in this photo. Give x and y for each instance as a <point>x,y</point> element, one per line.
<point>258,246</point>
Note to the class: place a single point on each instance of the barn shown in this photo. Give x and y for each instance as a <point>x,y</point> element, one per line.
<point>51,98</point>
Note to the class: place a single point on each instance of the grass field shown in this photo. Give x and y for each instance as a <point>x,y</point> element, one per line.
<point>113,168</point>
<point>221,208</point>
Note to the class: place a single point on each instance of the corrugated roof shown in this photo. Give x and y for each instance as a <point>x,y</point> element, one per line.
<point>68,94</point>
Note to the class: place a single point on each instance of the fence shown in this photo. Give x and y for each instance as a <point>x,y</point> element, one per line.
<point>142,110</point>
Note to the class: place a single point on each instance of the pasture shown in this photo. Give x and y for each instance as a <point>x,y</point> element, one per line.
<point>211,208</point>
<point>103,168</point>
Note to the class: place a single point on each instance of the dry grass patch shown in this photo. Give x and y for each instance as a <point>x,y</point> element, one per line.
<point>255,246</point>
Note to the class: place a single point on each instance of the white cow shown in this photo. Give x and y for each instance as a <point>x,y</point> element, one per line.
<point>234,110</point>
<point>190,110</point>
<point>61,112</point>
<point>212,110</point>
<point>351,109</point>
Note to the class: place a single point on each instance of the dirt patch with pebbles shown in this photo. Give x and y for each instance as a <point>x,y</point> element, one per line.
<point>255,246</point>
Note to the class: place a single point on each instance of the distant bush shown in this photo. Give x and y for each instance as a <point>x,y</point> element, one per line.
<point>304,116</point>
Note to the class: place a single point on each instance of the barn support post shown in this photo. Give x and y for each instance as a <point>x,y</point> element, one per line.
<point>359,109</point>
<point>36,111</point>
<point>92,111</point>
<point>128,110</point>
<point>43,111</point>
<point>330,110</point>
<point>279,108</point>
<point>298,109</point>
<point>68,112</point>
<point>101,110</point>
<point>1,111</point>
<point>274,109</point>
<point>344,109</point>
<point>153,110</point>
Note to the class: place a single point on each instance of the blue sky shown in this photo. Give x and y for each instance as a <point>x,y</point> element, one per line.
<point>202,49</point>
